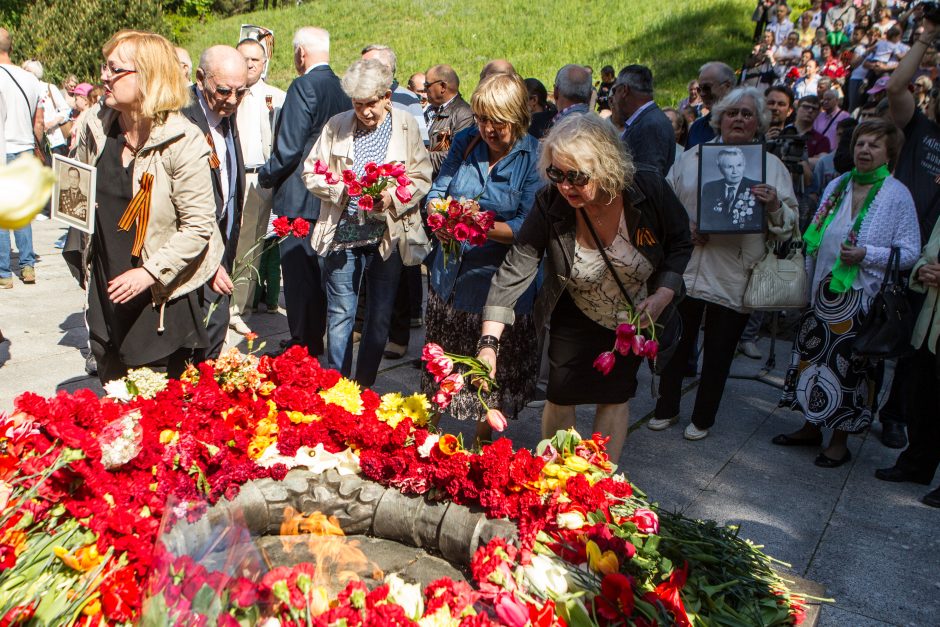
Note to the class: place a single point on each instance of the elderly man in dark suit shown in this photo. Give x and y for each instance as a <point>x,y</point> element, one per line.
<point>648,132</point>
<point>221,83</point>
<point>312,99</point>
<point>728,204</point>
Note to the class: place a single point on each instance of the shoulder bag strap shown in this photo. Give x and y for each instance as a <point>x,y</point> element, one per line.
<point>473,143</point>
<point>610,266</point>
<point>892,270</point>
<point>25,97</point>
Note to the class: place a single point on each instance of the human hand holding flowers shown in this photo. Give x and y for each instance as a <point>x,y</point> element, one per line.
<point>480,373</point>
<point>652,307</point>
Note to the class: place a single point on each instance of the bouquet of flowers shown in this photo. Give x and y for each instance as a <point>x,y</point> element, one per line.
<point>461,221</point>
<point>370,185</point>
<point>630,339</point>
<point>441,366</point>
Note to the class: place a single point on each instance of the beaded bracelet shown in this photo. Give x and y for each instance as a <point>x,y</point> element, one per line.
<point>488,341</point>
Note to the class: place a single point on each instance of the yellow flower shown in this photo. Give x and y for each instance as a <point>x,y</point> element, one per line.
<point>26,186</point>
<point>551,470</point>
<point>345,394</point>
<point>389,410</point>
<point>85,558</point>
<point>604,563</point>
<point>93,606</point>
<point>298,417</point>
<point>258,445</point>
<point>576,463</point>
<point>266,426</point>
<point>168,437</point>
<point>267,388</point>
<point>417,407</point>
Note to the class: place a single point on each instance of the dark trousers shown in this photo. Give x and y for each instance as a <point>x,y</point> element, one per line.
<point>110,366</point>
<point>922,456</point>
<point>723,328</point>
<point>217,307</point>
<point>407,305</point>
<point>269,273</point>
<point>304,297</point>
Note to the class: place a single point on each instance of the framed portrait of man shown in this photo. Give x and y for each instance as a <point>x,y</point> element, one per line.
<point>73,194</point>
<point>727,174</point>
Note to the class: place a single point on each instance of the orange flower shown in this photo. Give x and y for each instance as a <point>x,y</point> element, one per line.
<point>449,444</point>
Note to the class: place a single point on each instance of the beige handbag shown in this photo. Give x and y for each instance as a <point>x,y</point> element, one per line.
<point>413,245</point>
<point>779,282</point>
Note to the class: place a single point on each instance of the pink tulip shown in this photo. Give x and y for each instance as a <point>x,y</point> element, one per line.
<point>320,168</point>
<point>402,193</point>
<point>366,203</point>
<point>623,344</point>
<point>403,180</point>
<point>349,176</point>
<point>442,399</point>
<point>646,521</point>
<point>652,349</point>
<point>626,330</point>
<point>354,188</point>
<point>397,170</point>
<point>431,351</point>
<point>605,362</point>
<point>496,419</point>
<point>637,345</point>
<point>371,169</point>
<point>435,221</point>
<point>331,179</point>
<point>452,383</point>
<point>440,367</point>
<point>461,232</point>
<point>510,611</point>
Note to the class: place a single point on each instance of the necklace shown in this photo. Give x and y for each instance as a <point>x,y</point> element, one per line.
<point>131,147</point>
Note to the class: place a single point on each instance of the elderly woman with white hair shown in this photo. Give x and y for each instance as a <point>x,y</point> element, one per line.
<point>717,274</point>
<point>615,241</point>
<point>354,249</point>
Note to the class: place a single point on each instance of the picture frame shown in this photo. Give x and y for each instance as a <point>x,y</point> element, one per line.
<point>265,37</point>
<point>73,193</point>
<point>726,174</point>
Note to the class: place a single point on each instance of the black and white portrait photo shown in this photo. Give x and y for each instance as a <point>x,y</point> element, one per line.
<point>727,175</point>
<point>73,197</point>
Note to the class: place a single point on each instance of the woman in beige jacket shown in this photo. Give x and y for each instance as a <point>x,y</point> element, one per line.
<point>718,271</point>
<point>155,240</point>
<point>354,243</point>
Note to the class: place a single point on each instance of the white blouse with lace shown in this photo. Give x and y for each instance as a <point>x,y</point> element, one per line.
<point>592,286</point>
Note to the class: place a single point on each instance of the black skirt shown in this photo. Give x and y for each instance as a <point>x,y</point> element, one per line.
<point>575,341</point>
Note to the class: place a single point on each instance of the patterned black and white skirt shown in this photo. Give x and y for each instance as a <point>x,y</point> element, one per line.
<point>516,372</point>
<point>828,383</point>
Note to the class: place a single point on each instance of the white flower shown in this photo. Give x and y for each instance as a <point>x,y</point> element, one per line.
<point>570,520</point>
<point>26,186</point>
<point>547,576</point>
<point>318,460</point>
<point>425,449</point>
<point>407,595</point>
<point>117,390</point>
<point>120,440</point>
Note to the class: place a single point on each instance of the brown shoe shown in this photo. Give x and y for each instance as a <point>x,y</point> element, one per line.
<point>28,275</point>
<point>6,283</point>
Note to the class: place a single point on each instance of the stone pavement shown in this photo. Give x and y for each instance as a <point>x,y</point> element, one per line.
<point>872,544</point>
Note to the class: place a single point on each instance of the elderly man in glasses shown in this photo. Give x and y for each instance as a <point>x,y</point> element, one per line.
<point>448,113</point>
<point>715,80</point>
<point>221,83</point>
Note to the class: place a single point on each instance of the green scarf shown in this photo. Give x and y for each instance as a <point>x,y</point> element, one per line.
<point>842,275</point>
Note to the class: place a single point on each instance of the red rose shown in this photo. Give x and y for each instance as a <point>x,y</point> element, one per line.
<point>300,227</point>
<point>366,203</point>
<point>282,226</point>
<point>402,194</point>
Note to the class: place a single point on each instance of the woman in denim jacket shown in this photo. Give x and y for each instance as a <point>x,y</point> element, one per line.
<point>493,162</point>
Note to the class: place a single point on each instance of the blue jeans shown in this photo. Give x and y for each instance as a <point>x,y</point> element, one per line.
<point>23,237</point>
<point>345,270</point>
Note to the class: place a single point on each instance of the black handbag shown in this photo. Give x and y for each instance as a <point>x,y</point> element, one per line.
<point>886,330</point>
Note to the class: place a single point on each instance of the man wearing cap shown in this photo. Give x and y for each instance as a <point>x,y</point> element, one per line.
<point>648,133</point>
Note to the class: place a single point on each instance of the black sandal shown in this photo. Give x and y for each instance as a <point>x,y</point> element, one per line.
<point>824,461</point>
<point>786,440</point>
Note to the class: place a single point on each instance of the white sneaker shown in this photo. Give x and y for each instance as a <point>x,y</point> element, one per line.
<point>750,350</point>
<point>238,325</point>
<point>658,424</point>
<point>694,433</point>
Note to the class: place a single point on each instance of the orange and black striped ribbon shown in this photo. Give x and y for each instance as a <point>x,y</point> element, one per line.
<point>138,211</point>
<point>214,161</point>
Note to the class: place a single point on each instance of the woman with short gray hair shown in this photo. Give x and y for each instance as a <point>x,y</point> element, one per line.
<point>352,248</point>
<point>718,272</point>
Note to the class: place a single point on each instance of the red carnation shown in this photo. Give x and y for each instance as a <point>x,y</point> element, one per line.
<point>300,227</point>
<point>281,226</point>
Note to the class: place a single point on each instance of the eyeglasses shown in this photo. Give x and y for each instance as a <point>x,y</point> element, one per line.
<point>428,86</point>
<point>744,114</point>
<point>227,92</point>
<point>578,179</point>
<point>495,124</point>
<point>114,72</point>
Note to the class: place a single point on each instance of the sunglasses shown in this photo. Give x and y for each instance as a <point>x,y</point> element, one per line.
<point>428,86</point>
<point>578,179</point>
<point>227,92</point>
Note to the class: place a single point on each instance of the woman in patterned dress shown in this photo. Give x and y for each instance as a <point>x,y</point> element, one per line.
<point>864,213</point>
<point>354,244</point>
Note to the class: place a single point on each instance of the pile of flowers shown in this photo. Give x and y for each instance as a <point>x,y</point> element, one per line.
<point>459,221</point>
<point>371,184</point>
<point>85,483</point>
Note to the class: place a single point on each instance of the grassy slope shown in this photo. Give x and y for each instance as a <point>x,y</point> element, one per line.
<point>673,37</point>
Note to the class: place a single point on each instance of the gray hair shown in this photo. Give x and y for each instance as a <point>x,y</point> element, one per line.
<point>312,39</point>
<point>574,83</point>
<point>730,151</point>
<point>638,78</point>
<point>733,99</point>
<point>367,79</point>
<point>385,54</point>
<point>34,67</point>
<point>722,71</point>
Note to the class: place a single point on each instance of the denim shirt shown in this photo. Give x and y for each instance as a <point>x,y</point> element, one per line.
<point>509,191</point>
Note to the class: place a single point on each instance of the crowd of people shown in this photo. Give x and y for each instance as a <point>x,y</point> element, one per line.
<point>595,192</point>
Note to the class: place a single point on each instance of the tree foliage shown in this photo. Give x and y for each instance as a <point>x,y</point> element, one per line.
<point>67,35</point>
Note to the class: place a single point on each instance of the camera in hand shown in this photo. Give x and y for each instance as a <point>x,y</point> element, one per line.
<point>790,147</point>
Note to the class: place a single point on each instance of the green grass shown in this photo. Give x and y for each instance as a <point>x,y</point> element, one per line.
<point>673,37</point>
